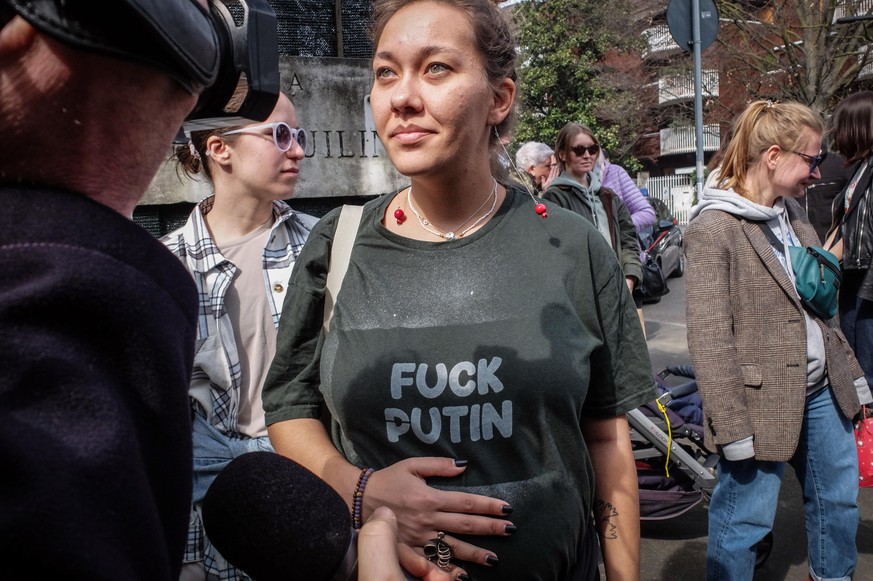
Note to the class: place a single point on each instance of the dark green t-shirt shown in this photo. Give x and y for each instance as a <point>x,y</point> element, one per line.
<point>490,348</point>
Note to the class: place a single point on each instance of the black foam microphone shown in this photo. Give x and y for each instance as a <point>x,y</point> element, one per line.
<point>277,521</point>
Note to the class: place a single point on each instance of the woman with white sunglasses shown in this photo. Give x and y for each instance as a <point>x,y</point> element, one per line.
<point>240,245</point>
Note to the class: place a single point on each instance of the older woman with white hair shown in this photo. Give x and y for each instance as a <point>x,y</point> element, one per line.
<point>539,165</point>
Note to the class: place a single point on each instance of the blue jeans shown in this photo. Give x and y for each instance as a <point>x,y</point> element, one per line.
<point>214,450</point>
<point>744,502</point>
<point>856,320</point>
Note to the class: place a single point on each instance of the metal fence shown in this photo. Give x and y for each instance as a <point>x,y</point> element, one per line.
<point>677,191</point>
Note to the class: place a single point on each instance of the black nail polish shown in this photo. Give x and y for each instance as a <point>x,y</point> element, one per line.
<point>510,529</point>
<point>492,560</point>
<point>460,463</point>
<point>506,509</point>
<point>464,577</point>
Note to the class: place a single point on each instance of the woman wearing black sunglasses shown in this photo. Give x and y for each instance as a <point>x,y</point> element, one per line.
<point>240,244</point>
<point>578,188</point>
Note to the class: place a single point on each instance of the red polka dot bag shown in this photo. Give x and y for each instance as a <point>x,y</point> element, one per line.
<point>864,439</point>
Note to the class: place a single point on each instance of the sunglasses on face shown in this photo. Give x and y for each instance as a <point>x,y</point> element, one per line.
<point>580,150</point>
<point>283,134</point>
<point>813,162</point>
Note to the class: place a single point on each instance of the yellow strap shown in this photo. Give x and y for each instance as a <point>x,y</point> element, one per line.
<point>663,410</point>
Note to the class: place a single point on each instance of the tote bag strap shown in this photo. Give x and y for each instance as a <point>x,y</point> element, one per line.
<point>341,252</point>
<point>771,236</point>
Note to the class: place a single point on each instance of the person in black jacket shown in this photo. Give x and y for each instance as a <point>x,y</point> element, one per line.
<point>853,220</point>
<point>821,193</point>
<point>98,319</point>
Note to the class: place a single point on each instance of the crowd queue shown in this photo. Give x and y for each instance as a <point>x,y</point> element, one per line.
<point>453,359</point>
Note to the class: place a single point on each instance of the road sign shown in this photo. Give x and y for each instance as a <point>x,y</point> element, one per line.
<point>680,23</point>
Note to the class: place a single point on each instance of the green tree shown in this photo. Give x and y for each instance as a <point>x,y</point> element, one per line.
<point>565,47</point>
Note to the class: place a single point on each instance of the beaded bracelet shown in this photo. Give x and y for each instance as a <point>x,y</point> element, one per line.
<point>358,498</point>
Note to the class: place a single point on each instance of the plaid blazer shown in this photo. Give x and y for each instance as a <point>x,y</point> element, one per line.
<point>747,335</point>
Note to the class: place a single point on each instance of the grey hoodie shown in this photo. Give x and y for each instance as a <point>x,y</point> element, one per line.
<point>590,198</point>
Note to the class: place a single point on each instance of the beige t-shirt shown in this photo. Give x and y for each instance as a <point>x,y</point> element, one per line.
<point>249,310</point>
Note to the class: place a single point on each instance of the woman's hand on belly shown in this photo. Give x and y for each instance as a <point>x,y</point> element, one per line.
<point>422,511</point>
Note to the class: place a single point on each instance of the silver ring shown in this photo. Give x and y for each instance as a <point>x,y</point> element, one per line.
<point>438,551</point>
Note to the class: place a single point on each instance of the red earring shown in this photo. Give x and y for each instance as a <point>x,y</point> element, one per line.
<point>400,216</point>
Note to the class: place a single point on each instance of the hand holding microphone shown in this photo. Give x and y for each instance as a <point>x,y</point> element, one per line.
<point>277,521</point>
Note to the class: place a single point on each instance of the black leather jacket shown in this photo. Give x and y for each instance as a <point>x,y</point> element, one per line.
<point>857,228</point>
<point>857,222</point>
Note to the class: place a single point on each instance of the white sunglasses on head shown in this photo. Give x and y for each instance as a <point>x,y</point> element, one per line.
<point>283,134</point>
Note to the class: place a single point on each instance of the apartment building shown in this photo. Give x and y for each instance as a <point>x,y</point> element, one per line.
<point>751,60</point>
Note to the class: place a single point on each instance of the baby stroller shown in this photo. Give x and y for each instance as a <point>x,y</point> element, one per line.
<point>675,472</point>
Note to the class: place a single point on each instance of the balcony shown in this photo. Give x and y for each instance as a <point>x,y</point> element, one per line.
<point>676,140</point>
<point>660,42</point>
<point>857,8</point>
<point>679,88</point>
<point>866,72</point>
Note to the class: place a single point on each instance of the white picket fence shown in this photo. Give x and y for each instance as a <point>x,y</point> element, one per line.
<point>677,191</point>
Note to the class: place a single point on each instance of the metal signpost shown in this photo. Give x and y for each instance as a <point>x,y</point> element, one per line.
<point>694,26</point>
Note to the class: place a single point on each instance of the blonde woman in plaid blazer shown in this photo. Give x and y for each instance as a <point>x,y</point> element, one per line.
<point>779,385</point>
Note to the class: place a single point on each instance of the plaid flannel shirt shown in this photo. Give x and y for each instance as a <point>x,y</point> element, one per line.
<point>217,394</point>
<point>215,381</point>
